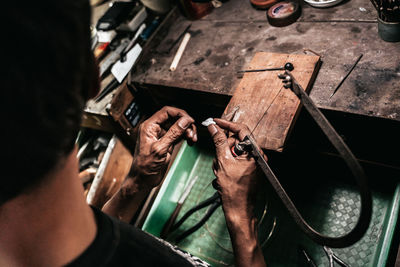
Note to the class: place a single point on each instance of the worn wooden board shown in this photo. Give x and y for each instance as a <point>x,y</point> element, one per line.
<point>112,171</point>
<point>263,104</point>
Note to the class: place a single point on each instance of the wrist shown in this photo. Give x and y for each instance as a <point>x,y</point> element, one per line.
<point>134,185</point>
<point>243,225</point>
<point>142,179</point>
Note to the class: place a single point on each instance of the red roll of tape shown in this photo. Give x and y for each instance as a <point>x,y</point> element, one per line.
<point>284,13</point>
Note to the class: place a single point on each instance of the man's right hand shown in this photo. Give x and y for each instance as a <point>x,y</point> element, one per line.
<point>236,176</point>
<point>237,182</point>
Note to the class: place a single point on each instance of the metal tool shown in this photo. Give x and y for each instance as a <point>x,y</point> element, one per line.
<point>306,256</point>
<point>167,51</point>
<point>333,258</point>
<point>288,66</point>
<point>250,145</point>
<point>214,202</point>
<point>108,89</point>
<point>347,75</point>
<point>114,56</point>
<point>167,226</point>
<point>132,42</point>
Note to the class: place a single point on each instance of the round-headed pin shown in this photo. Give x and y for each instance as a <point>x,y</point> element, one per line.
<point>289,66</point>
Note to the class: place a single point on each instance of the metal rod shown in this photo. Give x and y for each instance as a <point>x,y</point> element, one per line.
<point>347,75</point>
<point>258,70</point>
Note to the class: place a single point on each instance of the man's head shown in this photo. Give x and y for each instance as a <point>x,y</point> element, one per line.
<point>47,73</point>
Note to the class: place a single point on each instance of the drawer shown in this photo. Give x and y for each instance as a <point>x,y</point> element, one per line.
<point>329,205</point>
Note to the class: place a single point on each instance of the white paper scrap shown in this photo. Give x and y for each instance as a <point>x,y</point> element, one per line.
<point>208,122</point>
<point>121,69</point>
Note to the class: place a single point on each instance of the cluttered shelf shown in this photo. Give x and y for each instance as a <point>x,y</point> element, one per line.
<point>225,41</point>
<point>121,34</point>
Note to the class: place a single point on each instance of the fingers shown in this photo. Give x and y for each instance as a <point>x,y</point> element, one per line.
<point>220,141</point>
<point>174,133</point>
<point>166,113</point>
<point>238,128</point>
<point>191,134</point>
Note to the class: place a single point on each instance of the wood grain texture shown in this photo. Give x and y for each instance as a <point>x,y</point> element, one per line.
<point>265,106</point>
<point>117,168</point>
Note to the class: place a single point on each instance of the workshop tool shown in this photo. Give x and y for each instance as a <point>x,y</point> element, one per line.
<point>388,10</point>
<point>132,42</point>
<point>250,145</point>
<point>303,253</point>
<point>121,69</point>
<point>347,75</point>
<point>287,66</point>
<point>150,29</point>
<point>388,19</point>
<point>114,16</point>
<point>108,89</point>
<point>113,56</point>
<point>167,226</point>
<point>214,202</point>
<point>167,51</point>
<point>180,51</point>
<point>100,50</point>
<point>333,258</point>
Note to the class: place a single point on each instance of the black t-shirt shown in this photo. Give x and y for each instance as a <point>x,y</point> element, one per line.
<point>120,244</point>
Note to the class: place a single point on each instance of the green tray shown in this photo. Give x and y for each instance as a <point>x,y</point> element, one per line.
<point>336,213</point>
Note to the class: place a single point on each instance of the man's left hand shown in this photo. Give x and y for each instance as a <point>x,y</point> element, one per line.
<point>156,140</point>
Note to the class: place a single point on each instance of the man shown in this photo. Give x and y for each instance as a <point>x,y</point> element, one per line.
<point>44,219</point>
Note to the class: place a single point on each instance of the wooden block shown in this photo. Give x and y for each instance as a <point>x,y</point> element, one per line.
<point>265,106</point>
<point>112,171</point>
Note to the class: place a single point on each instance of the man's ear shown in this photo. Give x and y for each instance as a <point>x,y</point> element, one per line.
<point>94,86</point>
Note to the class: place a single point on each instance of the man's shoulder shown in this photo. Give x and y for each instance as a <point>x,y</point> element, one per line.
<point>120,244</point>
<point>138,245</point>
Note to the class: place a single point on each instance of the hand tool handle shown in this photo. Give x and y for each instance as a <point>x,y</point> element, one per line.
<point>168,225</point>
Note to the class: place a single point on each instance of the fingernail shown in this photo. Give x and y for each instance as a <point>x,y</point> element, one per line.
<point>212,129</point>
<point>184,123</point>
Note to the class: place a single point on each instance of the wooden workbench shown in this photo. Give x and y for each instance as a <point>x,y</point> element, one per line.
<point>226,40</point>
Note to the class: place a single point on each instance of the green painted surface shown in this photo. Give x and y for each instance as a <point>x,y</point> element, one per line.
<point>334,212</point>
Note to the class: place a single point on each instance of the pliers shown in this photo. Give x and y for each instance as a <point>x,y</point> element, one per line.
<point>214,202</point>
<point>332,257</point>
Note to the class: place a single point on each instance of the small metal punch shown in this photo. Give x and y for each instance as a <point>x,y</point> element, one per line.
<point>288,66</point>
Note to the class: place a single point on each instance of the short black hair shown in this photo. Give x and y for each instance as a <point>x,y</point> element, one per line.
<point>47,72</point>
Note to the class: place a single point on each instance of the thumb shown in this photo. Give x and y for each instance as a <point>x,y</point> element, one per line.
<point>220,141</point>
